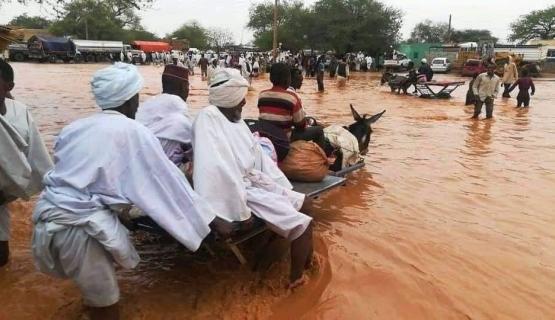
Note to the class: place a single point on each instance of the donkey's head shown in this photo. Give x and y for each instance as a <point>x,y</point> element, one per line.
<point>386,76</point>
<point>362,129</point>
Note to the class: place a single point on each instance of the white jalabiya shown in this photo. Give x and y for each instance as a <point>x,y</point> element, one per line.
<point>23,158</point>
<point>235,176</point>
<point>167,116</point>
<point>108,159</point>
<point>105,161</point>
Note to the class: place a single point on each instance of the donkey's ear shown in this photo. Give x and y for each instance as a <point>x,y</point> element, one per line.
<point>374,118</point>
<point>355,114</point>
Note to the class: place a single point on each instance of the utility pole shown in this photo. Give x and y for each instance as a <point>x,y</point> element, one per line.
<point>275,31</point>
<point>449,30</point>
<point>87,28</point>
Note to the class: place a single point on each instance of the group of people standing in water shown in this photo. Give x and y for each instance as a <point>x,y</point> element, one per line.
<point>484,88</point>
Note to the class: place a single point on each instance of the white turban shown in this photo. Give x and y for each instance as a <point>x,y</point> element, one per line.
<point>228,88</point>
<point>114,85</point>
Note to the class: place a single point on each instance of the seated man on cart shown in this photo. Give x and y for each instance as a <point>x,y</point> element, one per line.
<point>238,179</point>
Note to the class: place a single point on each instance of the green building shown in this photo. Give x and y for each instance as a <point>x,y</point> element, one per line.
<point>416,51</point>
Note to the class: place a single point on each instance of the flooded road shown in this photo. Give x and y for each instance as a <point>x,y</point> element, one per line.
<point>451,218</point>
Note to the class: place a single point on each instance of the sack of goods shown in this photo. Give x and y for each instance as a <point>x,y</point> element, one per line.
<point>340,138</point>
<point>305,162</point>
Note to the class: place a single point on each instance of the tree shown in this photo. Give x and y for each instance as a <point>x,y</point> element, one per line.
<point>428,31</point>
<point>219,38</point>
<point>293,24</point>
<point>538,24</point>
<point>97,19</point>
<point>340,25</point>
<point>356,25</point>
<point>194,32</point>
<point>472,35</point>
<point>26,21</point>
<point>59,5</point>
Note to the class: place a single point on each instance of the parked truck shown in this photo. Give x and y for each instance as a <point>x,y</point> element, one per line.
<point>51,49</point>
<point>96,51</point>
<point>18,52</point>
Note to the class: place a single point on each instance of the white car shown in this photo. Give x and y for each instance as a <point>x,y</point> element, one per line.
<point>441,65</point>
<point>401,62</point>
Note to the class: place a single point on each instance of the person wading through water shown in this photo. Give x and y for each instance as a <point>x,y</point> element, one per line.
<point>320,69</point>
<point>486,89</point>
<point>524,85</point>
<point>510,75</point>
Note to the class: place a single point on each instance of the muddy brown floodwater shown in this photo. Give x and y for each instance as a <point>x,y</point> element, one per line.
<point>450,219</point>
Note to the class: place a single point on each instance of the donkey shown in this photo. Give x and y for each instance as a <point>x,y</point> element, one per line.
<point>362,130</point>
<point>397,82</point>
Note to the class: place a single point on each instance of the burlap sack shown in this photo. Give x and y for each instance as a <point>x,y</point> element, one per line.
<point>305,162</point>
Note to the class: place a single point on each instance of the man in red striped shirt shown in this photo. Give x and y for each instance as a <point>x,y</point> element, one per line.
<point>281,106</point>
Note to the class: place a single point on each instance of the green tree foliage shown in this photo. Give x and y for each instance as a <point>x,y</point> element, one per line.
<point>472,35</point>
<point>538,24</point>
<point>353,25</point>
<point>294,24</point>
<point>26,21</point>
<point>428,31</point>
<point>339,25</point>
<point>99,20</point>
<point>59,6</point>
<point>197,35</point>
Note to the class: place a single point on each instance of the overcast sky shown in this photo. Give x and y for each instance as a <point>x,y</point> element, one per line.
<point>166,15</point>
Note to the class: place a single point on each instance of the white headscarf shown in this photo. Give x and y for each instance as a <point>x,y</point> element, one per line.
<point>228,88</point>
<point>167,116</point>
<point>114,85</point>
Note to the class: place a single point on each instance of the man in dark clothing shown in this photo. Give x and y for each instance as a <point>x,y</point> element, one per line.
<point>333,66</point>
<point>525,83</point>
<point>203,63</point>
<point>320,68</point>
<point>426,69</point>
<point>412,77</point>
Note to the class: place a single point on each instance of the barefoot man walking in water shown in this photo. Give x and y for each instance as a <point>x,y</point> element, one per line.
<point>486,89</point>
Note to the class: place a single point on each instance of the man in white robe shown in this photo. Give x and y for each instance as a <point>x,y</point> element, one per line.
<point>167,115</point>
<point>23,157</point>
<point>106,162</point>
<point>234,175</point>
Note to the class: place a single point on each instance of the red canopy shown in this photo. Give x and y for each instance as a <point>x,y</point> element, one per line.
<point>151,46</point>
